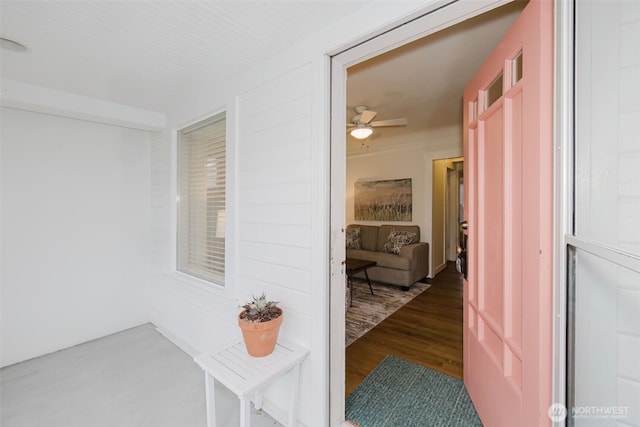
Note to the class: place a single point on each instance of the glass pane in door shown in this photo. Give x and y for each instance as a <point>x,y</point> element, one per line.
<point>606,344</point>
<point>607,156</point>
<point>604,305</point>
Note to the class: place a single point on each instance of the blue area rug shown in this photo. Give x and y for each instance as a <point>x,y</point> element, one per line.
<point>402,394</point>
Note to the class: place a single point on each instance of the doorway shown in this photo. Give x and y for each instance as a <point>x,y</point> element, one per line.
<point>431,23</point>
<point>446,206</point>
<point>455,209</point>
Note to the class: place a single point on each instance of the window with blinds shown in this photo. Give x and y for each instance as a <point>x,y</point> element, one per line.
<point>201,199</point>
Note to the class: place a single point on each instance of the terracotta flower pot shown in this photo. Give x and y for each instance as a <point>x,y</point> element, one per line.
<point>260,337</point>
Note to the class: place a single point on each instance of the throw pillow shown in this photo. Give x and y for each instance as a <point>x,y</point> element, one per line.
<point>397,239</point>
<point>353,238</point>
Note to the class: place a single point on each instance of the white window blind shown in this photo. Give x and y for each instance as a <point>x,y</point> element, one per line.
<point>201,199</point>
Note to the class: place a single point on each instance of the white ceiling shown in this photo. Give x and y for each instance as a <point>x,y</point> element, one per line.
<point>148,53</point>
<point>424,80</point>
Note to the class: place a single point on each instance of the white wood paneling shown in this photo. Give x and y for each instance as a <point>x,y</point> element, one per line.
<point>271,177</point>
<point>275,144</point>
<point>296,214</point>
<point>281,194</point>
<point>196,315</point>
<point>295,169</point>
<point>284,255</point>
<point>275,234</point>
<point>607,212</point>
<point>274,199</point>
<point>280,276</point>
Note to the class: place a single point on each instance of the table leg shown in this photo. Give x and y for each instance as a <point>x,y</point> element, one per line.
<point>245,412</point>
<point>368,281</point>
<point>210,397</point>
<point>257,400</point>
<point>293,398</point>
<point>350,284</point>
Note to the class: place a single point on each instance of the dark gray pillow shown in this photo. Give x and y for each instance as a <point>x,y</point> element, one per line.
<point>353,238</point>
<point>396,240</point>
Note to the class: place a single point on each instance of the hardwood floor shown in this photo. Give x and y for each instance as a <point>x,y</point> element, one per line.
<point>427,331</point>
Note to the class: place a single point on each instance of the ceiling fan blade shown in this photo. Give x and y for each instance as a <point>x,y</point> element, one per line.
<point>350,125</point>
<point>366,116</point>
<point>390,122</point>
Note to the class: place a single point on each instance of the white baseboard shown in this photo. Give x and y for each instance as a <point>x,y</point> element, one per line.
<point>177,341</point>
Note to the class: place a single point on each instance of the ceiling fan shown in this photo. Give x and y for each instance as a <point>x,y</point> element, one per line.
<point>363,124</point>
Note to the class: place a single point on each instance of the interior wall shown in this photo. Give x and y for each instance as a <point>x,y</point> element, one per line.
<point>453,218</point>
<point>75,231</point>
<point>439,222</point>
<point>415,162</point>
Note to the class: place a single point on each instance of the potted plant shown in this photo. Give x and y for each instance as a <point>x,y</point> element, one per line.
<point>260,322</point>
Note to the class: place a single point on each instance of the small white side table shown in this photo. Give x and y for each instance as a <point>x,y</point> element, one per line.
<point>246,375</point>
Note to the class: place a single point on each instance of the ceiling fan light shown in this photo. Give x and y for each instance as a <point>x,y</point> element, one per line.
<point>361,132</point>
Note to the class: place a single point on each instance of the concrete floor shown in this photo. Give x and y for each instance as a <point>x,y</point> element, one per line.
<point>133,378</point>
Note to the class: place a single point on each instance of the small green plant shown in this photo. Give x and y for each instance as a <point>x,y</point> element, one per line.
<point>260,310</point>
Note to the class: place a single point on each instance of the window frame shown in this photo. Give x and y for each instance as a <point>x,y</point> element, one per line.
<point>218,283</point>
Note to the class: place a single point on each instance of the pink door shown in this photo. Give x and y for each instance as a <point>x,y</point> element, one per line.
<point>508,152</point>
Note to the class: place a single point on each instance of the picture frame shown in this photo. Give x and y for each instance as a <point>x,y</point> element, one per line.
<point>384,200</point>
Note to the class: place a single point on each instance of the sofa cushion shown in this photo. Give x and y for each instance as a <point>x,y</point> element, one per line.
<point>368,236</point>
<point>382,259</point>
<point>385,230</point>
<point>397,239</point>
<point>353,239</point>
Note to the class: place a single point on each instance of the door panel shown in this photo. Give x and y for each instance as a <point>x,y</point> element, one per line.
<point>490,216</point>
<point>508,158</point>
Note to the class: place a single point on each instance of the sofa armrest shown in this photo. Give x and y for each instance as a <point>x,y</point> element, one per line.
<point>418,254</point>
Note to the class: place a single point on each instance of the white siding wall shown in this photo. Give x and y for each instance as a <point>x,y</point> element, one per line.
<point>274,197</point>
<point>628,230</point>
<point>194,314</point>
<point>274,219</point>
<point>270,230</point>
<point>608,209</point>
<point>75,233</point>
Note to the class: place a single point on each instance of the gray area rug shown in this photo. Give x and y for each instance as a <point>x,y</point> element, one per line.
<point>398,393</point>
<point>367,310</point>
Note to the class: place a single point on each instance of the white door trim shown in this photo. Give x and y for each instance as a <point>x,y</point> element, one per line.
<point>434,17</point>
<point>563,187</point>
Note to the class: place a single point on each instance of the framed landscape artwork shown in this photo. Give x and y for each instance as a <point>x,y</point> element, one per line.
<point>388,200</point>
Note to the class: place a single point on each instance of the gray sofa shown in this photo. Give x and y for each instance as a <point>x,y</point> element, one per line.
<point>403,269</point>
